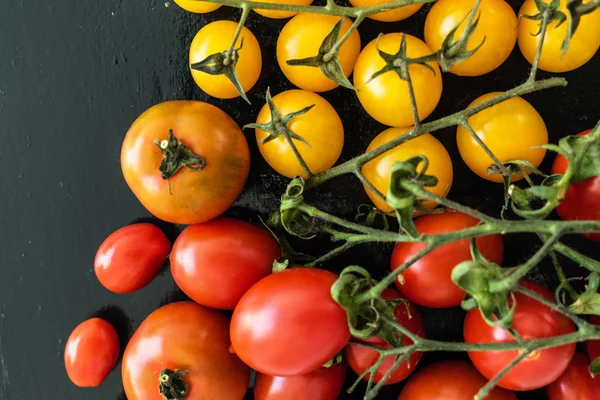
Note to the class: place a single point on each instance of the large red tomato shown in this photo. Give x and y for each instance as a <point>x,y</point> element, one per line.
<point>288,324</point>
<point>576,382</point>
<point>216,262</point>
<point>532,320</point>
<point>593,346</point>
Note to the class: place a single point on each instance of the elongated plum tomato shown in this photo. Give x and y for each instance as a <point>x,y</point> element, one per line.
<point>388,16</point>
<point>360,358</point>
<point>192,193</point>
<point>512,130</point>
<point>532,320</point>
<point>216,262</point>
<point>427,281</point>
<point>593,346</point>
<point>282,14</point>
<point>582,200</point>
<point>287,324</point>
<point>386,98</point>
<point>497,26</point>
<point>131,257</point>
<point>576,382</point>
<point>189,337</point>
<point>378,170</point>
<point>198,7</point>
<point>91,352</point>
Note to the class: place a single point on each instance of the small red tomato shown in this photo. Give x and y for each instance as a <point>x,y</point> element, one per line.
<point>131,257</point>
<point>593,346</point>
<point>576,382</point>
<point>216,262</point>
<point>91,352</point>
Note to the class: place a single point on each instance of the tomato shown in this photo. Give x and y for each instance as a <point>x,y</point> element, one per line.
<point>288,324</point>
<point>322,384</point>
<point>321,127</point>
<point>593,346</point>
<point>386,98</point>
<point>512,130</point>
<point>428,282</point>
<point>576,382</point>
<point>449,380</point>
<point>301,38</point>
<point>582,200</point>
<point>199,7</point>
<point>186,336</point>
<point>388,16</point>
<point>216,262</point>
<point>584,43</point>
<point>360,358</point>
<point>378,170</point>
<point>282,14</point>
<point>215,38</point>
<point>532,320</point>
<point>189,196</point>
<point>497,24</point>
<point>91,352</point>
<point>131,257</point>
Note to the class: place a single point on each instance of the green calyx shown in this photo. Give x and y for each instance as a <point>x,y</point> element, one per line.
<point>455,51</point>
<point>577,9</point>
<point>176,156</point>
<point>172,385</point>
<point>589,301</point>
<point>547,11</point>
<point>294,221</point>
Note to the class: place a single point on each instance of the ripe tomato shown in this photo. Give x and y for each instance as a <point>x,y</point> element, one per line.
<point>388,16</point>
<point>131,257</point>
<point>378,170</point>
<point>321,127</point>
<point>215,38</point>
<point>449,380</point>
<point>532,320</point>
<point>584,43</point>
<point>582,200</point>
<point>288,324</point>
<point>322,384</point>
<point>301,38</point>
<point>511,130</point>
<point>576,382</point>
<point>427,282</point>
<point>199,7</point>
<point>360,358</point>
<point>216,262</point>
<point>497,24</point>
<point>184,336</point>
<point>282,14</point>
<point>593,346</point>
<point>189,196</point>
<point>386,98</point>
<point>91,352</point>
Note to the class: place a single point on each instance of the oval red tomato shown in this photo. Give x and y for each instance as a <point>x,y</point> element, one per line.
<point>576,382</point>
<point>593,346</point>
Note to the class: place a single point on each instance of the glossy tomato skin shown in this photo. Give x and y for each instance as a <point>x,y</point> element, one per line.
<point>282,14</point>
<point>449,380</point>
<point>360,358</point>
<point>216,262</point>
<point>593,346</point>
<point>131,257</point>
<point>188,197</point>
<point>287,324</point>
<point>388,16</point>
<point>198,7</point>
<point>322,384</point>
<point>576,382</point>
<point>428,282</point>
<point>497,24</point>
<point>187,336</point>
<point>91,352</point>
<point>532,320</point>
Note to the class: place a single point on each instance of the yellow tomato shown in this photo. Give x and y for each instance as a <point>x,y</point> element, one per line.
<point>282,14</point>
<point>215,38</point>
<point>584,43</point>
<point>388,16</point>
<point>378,170</point>
<point>321,127</point>
<point>199,7</point>
<point>512,130</point>
<point>301,38</point>
<point>386,98</point>
<point>497,24</point>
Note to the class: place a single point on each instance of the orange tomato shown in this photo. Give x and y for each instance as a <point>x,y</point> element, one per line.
<point>199,7</point>
<point>388,16</point>
<point>282,14</point>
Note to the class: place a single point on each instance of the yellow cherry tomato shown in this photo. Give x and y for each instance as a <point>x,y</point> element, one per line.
<point>378,170</point>
<point>215,38</point>
<point>497,24</point>
<point>321,127</point>
<point>386,98</point>
<point>512,130</point>
<point>282,14</point>
<point>388,16</point>
<point>584,43</point>
<point>301,38</point>
<point>198,7</point>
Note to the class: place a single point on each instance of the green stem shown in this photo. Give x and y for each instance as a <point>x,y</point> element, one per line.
<point>550,304</point>
<point>536,59</point>
<point>371,394</point>
<point>465,124</point>
<point>489,386</point>
<point>336,47</point>
<point>236,35</point>
<point>582,260</point>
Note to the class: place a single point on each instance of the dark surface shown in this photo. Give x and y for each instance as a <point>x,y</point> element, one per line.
<point>74,76</point>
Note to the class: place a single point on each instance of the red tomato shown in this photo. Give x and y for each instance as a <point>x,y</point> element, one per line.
<point>288,324</point>
<point>532,320</point>
<point>593,346</point>
<point>427,282</point>
<point>582,200</point>
<point>360,358</point>
<point>91,352</point>
<point>216,262</point>
<point>131,257</point>
<point>322,384</point>
<point>576,382</point>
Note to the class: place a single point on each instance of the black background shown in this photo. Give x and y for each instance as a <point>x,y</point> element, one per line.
<point>73,77</point>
